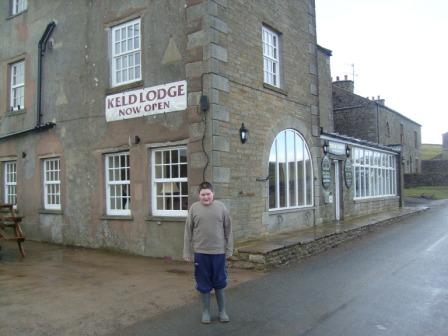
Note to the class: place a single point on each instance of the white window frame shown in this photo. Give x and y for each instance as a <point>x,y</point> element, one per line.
<point>307,172</point>
<point>18,6</point>
<point>374,174</point>
<point>52,183</point>
<point>17,86</point>
<point>271,56</point>
<point>126,58</point>
<point>171,181</point>
<point>120,205</point>
<point>10,182</point>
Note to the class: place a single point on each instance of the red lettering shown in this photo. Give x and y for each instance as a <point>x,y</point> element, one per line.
<point>110,103</point>
<point>172,92</point>
<point>180,90</point>
<point>161,93</point>
<point>142,98</point>
<point>132,99</point>
<point>151,95</point>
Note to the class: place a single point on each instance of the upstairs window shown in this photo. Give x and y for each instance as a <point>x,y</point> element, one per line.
<point>10,183</point>
<point>18,6</point>
<point>271,57</point>
<point>17,86</point>
<point>126,53</point>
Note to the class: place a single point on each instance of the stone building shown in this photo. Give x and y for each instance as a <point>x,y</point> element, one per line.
<point>372,120</point>
<point>112,112</point>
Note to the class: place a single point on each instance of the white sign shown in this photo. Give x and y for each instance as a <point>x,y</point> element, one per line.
<point>148,101</point>
<point>337,148</point>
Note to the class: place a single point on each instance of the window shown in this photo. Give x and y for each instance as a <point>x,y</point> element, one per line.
<point>169,182</point>
<point>271,57</point>
<point>126,53</point>
<point>374,174</point>
<point>415,139</point>
<point>387,129</point>
<point>52,184</point>
<point>17,93</point>
<point>10,182</point>
<point>18,6</point>
<point>118,184</point>
<point>290,172</point>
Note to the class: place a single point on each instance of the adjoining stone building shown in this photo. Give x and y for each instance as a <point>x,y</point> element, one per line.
<point>111,113</point>
<point>372,120</point>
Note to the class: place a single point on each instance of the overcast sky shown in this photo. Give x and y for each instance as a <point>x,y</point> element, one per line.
<point>399,49</point>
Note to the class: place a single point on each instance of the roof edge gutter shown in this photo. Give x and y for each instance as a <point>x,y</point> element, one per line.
<point>39,128</point>
<point>41,51</point>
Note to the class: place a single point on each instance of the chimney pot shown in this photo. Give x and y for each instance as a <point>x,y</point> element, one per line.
<point>345,77</point>
<point>378,97</point>
<point>337,78</point>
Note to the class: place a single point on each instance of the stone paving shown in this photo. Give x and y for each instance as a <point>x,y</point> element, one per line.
<point>281,248</point>
<point>57,290</point>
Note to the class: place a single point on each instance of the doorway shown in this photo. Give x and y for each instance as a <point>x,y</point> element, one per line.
<point>337,190</point>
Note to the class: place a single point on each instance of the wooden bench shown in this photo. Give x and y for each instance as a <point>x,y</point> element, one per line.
<point>10,226</point>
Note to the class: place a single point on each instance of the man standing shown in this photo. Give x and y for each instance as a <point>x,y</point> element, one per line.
<point>209,240</point>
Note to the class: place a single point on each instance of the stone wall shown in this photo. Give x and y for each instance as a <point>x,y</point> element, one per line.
<point>263,109</point>
<point>434,173</point>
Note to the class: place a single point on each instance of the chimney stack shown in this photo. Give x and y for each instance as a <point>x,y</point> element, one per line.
<point>345,84</point>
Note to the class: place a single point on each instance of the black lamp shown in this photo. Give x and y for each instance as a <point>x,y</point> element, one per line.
<point>347,151</point>
<point>325,147</point>
<point>244,134</point>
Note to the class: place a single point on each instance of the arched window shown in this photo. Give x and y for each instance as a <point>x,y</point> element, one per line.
<point>290,172</point>
<point>387,129</point>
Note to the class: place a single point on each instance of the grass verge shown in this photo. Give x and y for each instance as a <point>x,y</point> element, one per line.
<point>435,193</point>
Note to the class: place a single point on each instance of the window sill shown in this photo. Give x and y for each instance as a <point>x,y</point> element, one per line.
<point>276,89</point>
<point>374,199</point>
<point>15,113</point>
<point>50,212</point>
<point>280,211</point>
<point>114,217</point>
<point>17,14</point>
<point>160,219</point>
<point>124,87</point>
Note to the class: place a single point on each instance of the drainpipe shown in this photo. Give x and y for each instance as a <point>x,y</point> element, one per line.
<point>41,51</point>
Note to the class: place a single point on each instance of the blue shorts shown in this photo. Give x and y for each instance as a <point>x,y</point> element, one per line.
<point>210,271</point>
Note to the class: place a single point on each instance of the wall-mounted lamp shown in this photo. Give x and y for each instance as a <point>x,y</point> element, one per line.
<point>203,103</point>
<point>347,151</point>
<point>244,134</point>
<point>325,147</point>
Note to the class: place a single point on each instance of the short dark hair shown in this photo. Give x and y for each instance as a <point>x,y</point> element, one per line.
<point>205,185</point>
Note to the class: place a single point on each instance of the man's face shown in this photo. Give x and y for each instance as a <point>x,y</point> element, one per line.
<point>206,196</point>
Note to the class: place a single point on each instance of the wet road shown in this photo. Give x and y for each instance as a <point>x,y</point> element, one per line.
<point>391,282</point>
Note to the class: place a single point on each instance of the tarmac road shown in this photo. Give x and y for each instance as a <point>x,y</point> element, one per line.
<point>392,282</point>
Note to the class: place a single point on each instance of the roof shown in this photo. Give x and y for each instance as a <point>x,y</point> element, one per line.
<point>368,101</point>
<point>356,141</point>
<point>326,51</point>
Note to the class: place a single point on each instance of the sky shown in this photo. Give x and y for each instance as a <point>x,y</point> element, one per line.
<point>399,49</point>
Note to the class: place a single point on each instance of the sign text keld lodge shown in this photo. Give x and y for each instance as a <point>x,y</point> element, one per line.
<point>148,101</point>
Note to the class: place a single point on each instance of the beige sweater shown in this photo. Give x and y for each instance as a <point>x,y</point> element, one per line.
<point>208,230</point>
